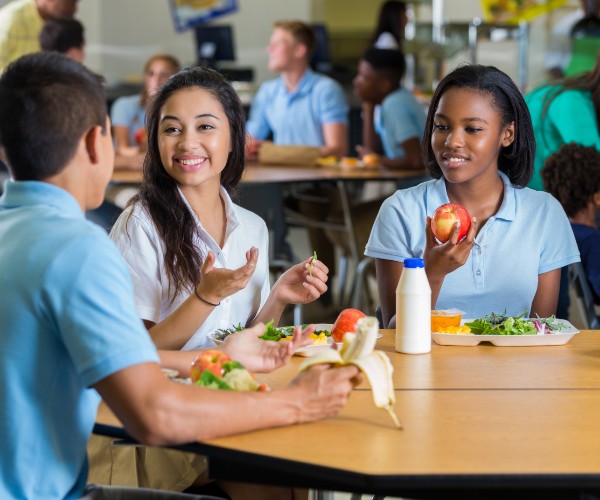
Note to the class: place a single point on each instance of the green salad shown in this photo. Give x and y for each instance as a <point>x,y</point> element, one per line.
<point>271,333</point>
<point>501,324</point>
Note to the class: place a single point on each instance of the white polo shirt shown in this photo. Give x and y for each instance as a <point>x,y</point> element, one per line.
<point>136,237</point>
<point>529,235</point>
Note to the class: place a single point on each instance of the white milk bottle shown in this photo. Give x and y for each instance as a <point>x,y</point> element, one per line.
<point>413,309</point>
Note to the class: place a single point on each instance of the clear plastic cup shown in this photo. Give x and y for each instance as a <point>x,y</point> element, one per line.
<point>443,318</point>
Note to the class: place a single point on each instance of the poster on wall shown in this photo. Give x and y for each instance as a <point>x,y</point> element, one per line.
<point>190,13</point>
<point>514,11</point>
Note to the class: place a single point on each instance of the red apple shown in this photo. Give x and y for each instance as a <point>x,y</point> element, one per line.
<point>445,217</point>
<point>140,136</point>
<point>345,322</point>
<point>211,360</point>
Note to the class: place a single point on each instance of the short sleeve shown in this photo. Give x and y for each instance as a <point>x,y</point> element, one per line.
<point>258,125</point>
<point>332,103</point>
<point>390,237</point>
<point>95,314</point>
<point>140,247</point>
<point>399,125</point>
<point>122,113</point>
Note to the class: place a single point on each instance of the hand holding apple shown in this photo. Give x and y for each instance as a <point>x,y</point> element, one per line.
<point>444,219</point>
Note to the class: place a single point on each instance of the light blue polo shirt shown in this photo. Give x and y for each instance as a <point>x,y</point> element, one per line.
<point>127,112</point>
<point>529,235</point>
<point>68,321</point>
<point>400,117</point>
<point>297,118</point>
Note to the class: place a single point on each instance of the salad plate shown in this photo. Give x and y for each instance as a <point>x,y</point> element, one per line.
<point>305,351</point>
<point>554,337</point>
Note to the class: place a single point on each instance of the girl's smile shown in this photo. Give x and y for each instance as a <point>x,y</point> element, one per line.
<point>191,164</point>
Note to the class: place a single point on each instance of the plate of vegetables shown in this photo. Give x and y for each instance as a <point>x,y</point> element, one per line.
<point>503,330</point>
<point>321,337</point>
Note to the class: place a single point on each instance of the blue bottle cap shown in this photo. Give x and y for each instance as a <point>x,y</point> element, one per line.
<point>412,263</point>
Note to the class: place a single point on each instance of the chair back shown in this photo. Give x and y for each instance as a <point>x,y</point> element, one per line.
<point>585,298</point>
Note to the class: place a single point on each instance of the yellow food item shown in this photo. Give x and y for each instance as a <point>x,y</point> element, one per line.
<point>454,329</point>
<point>444,319</point>
<point>327,161</point>
<point>319,339</point>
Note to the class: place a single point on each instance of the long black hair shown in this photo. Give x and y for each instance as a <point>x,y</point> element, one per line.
<point>390,21</point>
<point>159,192</point>
<point>515,160</point>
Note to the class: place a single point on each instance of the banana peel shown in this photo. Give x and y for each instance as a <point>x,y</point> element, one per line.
<point>358,349</point>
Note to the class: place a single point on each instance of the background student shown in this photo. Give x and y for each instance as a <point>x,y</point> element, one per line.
<point>572,176</point>
<point>70,331</point>
<point>300,107</point>
<point>20,24</point>
<point>64,36</point>
<point>556,123</point>
<point>391,21</point>
<point>393,120</point>
<point>478,146</point>
<point>128,113</point>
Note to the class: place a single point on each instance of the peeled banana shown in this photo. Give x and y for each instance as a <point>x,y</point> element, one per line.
<point>358,349</point>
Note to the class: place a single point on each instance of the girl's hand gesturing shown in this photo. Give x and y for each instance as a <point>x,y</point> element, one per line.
<point>218,283</point>
<point>443,258</point>
<point>302,283</point>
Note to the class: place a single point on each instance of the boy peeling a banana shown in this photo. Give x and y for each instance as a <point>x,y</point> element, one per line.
<point>358,349</point>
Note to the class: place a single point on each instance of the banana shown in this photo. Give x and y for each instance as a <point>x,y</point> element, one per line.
<point>358,349</point>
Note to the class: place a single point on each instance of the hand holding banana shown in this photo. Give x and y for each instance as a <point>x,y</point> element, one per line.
<point>358,349</point>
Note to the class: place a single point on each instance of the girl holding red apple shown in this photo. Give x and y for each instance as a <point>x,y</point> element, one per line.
<point>479,148</point>
<point>198,261</point>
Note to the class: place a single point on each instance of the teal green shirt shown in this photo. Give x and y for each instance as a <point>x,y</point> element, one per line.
<point>571,117</point>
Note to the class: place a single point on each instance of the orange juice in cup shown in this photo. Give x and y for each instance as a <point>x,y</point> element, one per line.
<point>443,318</point>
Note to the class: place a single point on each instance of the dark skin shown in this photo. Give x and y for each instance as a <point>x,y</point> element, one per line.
<point>372,87</point>
<point>466,141</point>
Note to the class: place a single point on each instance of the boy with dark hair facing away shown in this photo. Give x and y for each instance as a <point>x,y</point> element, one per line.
<point>69,320</point>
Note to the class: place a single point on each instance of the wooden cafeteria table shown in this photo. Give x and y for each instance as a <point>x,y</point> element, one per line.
<point>575,365</point>
<point>470,429</point>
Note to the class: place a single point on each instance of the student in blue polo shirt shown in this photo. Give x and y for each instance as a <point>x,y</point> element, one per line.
<point>393,119</point>
<point>300,107</point>
<point>479,147</point>
<point>70,331</point>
